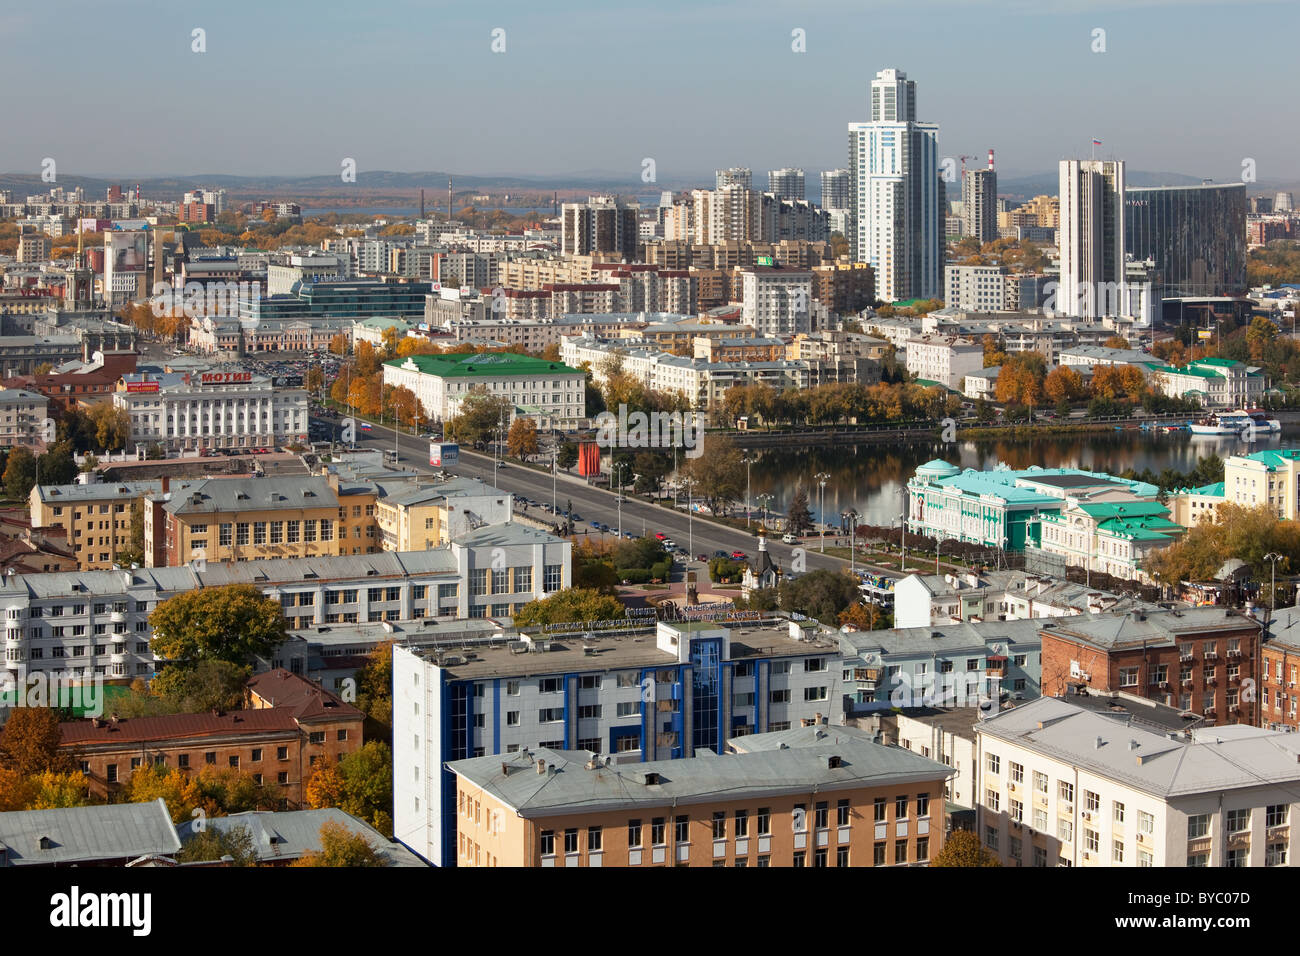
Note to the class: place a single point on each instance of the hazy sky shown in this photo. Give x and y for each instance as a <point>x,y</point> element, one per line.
<point>292,87</point>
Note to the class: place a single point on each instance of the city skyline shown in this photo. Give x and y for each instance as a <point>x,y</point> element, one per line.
<point>783,108</point>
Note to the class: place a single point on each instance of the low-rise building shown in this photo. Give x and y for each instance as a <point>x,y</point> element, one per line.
<point>423,517</point>
<point>943,359</point>
<point>95,517</point>
<point>551,393</point>
<point>818,796</point>
<point>1113,537</point>
<point>1200,660</point>
<point>114,834</point>
<point>1215,382</point>
<point>24,418</point>
<point>1268,479</point>
<point>1061,785</point>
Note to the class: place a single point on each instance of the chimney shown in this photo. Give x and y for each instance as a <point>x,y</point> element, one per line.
<point>990,157</point>
<point>1098,744</point>
<point>166,484</point>
<point>541,767</point>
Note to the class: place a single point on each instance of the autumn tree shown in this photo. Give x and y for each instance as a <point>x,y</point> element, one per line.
<point>314,380</point>
<point>175,787</point>
<point>717,474</point>
<point>798,518</point>
<point>341,847</point>
<point>233,623</point>
<point>1063,384</point>
<point>522,440</point>
<point>29,742</point>
<point>822,594</point>
<point>1116,342</point>
<point>360,784</point>
<point>572,604</point>
<point>1021,379</point>
<point>479,417</point>
<point>963,848</point>
<point>375,684</point>
<point>112,426</point>
<point>339,344</point>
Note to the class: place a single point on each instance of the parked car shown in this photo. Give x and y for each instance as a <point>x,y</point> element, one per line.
<point>720,554</point>
<point>738,556</point>
<point>670,544</point>
<point>702,557</point>
<point>788,538</point>
<point>660,536</point>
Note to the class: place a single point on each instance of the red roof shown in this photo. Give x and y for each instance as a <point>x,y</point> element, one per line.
<point>299,696</point>
<point>177,726</point>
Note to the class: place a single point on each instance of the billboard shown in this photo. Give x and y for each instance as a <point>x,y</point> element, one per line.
<point>1204,334</point>
<point>226,378</point>
<point>442,455</point>
<point>287,381</point>
<point>142,386</point>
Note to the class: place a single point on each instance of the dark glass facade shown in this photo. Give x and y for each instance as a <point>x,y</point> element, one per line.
<point>706,693</point>
<point>1195,234</point>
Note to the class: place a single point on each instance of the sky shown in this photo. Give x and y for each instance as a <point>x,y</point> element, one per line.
<point>294,88</point>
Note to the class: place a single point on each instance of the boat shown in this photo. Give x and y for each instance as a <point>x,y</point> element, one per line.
<point>1263,424</point>
<point>1222,424</point>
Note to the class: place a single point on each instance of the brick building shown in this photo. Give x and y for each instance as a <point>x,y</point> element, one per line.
<point>1198,659</point>
<point>289,725</point>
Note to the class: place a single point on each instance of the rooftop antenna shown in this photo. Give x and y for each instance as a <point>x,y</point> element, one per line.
<point>448,199</point>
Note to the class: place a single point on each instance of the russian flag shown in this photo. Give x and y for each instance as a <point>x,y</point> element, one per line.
<point>1096,142</point>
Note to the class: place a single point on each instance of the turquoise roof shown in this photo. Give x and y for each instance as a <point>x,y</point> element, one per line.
<point>1275,457</point>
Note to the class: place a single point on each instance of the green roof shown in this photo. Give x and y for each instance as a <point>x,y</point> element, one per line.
<point>1219,362</point>
<point>1274,457</point>
<point>491,364</point>
<point>1124,509</point>
<point>1141,529</point>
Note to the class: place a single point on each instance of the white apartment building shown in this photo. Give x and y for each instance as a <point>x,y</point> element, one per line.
<point>942,358</point>
<point>281,277</point>
<point>213,409</point>
<point>897,198</point>
<point>1061,785</point>
<point>1093,273</point>
<point>975,288</point>
<point>23,416</point>
<point>776,301</point>
<point>641,693</point>
<point>982,383</point>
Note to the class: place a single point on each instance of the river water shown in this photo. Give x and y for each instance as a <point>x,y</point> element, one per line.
<point>871,478</point>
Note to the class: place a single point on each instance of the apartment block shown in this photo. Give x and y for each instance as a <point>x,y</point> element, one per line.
<point>943,359</point>
<point>1201,660</point>
<point>1062,785</point>
<point>659,693</point>
<point>818,796</point>
<point>96,517</point>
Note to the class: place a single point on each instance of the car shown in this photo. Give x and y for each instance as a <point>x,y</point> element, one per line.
<point>660,536</point>
<point>738,556</point>
<point>702,557</point>
<point>789,538</point>
<point>594,524</point>
<point>670,544</point>
<point>720,554</point>
<point>604,527</point>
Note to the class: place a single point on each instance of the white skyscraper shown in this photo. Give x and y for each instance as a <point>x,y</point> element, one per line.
<point>1093,280</point>
<point>786,183</point>
<point>897,196</point>
<point>837,189</point>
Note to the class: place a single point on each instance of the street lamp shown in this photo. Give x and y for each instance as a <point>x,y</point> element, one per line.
<point>747,462</point>
<point>555,459</point>
<point>621,466</point>
<point>765,500</point>
<point>821,478</point>
<point>690,515</point>
<point>851,516</point>
<point>1274,558</point>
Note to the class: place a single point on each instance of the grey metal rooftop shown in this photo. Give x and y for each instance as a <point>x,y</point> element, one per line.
<point>71,835</point>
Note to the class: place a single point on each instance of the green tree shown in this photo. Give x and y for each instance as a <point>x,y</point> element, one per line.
<point>822,594</point>
<point>480,417</point>
<point>232,623</point>
<point>20,472</point>
<point>572,604</point>
<point>718,472</point>
<point>375,685</point>
<point>134,552</point>
<point>798,518</point>
<point>567,455</point>
<point>57,466</point>
<point>213,843</point>
<point>341,847</point>
<point>963,848</point>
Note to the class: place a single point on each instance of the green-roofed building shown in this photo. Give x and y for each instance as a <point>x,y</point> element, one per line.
<point>1215,382</point>
<point>1111,536</point>
<point>551,393</point>
<point>1001,508</point>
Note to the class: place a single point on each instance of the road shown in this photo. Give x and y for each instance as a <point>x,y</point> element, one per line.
<point>596,504</point>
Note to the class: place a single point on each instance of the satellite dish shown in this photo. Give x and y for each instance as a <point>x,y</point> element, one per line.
<point>988,708</point>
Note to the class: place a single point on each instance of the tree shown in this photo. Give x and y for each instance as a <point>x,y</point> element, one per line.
<point>567,455</point>
<point>799,518</point>
<point>177,789</point>
<point>232,623</point>
<point>375,685</point>
<point>1021,379</point>
<point>522,440</point>
<point>573,604</point>
<point>208,685</point>
<point>865,617</point>
<point>1063,384</point>
<point>480,416</point>
<point>718,474</point>
<point>1116,342</point>
<point>213,843</point>
<point>30,742</point>
<point>134,552</point>
<point>822,594</point>
<point>963,848</point>
<point>57,466</point>
<point>20,472</point>
<point>315,379</point>
<point>54,791</point>
<point>112,426</point>
<point>361,784</point>
<point>341,847</point>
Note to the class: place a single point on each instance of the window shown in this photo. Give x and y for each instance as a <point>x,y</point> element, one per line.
<point>1065,830</point>
<point>780,696</point>
<point>993,763</point>
<point>1016,810</point>
<point>681,829</point>
<point>879,808</point>
<point>550,685</point>
<point>1040,782</point>
<point>589,682</point>
<point>547,841</point>
<point>820,815</point>
<point>571,841</point>
<point>1275,854</point>
<point>210,757</point>
<point>1017,772</point>
<point>1117,851</point>
<point>256,755</point>
<point>900,852</point>
<point>550,715</point>
<point>657,831</point>
<point>512,718</point>
<point>900,807</point>
<point>812,693</point>
<point>1198,826</point>
<point>1117,812</point>
<point>1128,676</point>
<point>633,832</point>
<point>595,836</point>
<point>1238,820</point>
<point>842,813</point>
<point>814,664</point>
<point>764,821</point>
<point>1146,822</point>
<point>1275,815</point>
<point>719,825</point>
<point>1091,841</point>
<point>1040,819</point>
<point>1065,791</point>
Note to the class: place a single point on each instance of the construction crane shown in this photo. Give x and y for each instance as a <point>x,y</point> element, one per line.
<point>963,165</point>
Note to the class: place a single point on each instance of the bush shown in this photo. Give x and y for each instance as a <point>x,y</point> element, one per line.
<point>635,575</point>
